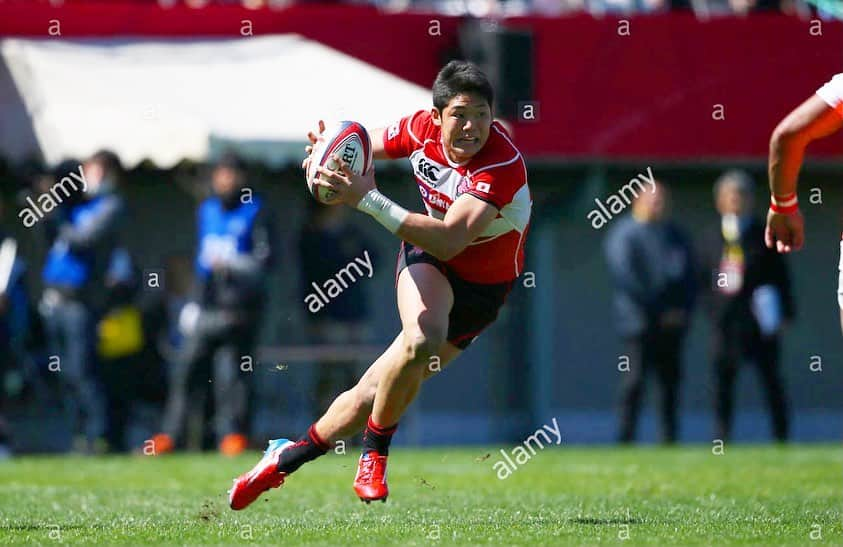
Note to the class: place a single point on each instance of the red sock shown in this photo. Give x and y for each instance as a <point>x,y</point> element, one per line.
<point>309,447</point>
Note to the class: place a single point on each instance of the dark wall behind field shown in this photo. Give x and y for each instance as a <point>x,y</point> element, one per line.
<point>489,393</point>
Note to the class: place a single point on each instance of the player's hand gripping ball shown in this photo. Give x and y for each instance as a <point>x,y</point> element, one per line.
<point>347,140</point>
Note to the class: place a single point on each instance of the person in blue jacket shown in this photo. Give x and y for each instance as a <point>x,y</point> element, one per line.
<point>82,234</point>
<point>236,248</point>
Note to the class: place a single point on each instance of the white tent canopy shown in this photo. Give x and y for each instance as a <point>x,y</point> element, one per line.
<point>176,99</point>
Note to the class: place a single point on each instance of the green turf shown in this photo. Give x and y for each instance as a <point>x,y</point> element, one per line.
<point>750,495</point>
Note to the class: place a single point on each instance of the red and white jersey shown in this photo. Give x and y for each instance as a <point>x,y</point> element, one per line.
<point>832,93</point>
<point>497,174</point>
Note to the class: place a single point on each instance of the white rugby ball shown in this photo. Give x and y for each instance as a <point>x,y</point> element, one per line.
<point>349,141</point>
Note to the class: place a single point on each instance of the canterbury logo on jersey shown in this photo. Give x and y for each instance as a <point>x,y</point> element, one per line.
<point>427,171</point>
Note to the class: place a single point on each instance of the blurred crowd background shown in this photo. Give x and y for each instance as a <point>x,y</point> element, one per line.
<point>828,9</point>
<point>724,364</point>
<point>164,307</point>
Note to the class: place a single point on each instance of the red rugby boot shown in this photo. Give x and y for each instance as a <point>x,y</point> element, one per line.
<point>262,477</point>
<point>370,482</point>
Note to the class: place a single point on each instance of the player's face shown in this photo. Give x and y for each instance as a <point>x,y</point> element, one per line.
<point>465,126</point>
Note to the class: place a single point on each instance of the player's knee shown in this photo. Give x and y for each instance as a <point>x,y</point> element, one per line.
<point>420,345</point>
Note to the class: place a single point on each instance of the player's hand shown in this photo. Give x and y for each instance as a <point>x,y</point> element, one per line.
<point>786,232</point>
<point>350,188</point>
<point>313,138</point>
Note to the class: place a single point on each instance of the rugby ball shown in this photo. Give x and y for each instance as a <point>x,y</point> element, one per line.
<point>349,141</point>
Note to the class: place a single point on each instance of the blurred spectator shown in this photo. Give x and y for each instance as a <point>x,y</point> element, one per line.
<point>14,320</point>
<point>237,243</point>
<point>625,6</point>
<point>131,365</point>
<point>496,8</point>
<point>83,233</point>
<point>749,300</point>
<point>328,243</point>
<point>651,267</point>
<point>709,8</point>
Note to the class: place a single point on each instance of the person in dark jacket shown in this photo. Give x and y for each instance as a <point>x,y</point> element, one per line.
<point>749,301</point>
<point>236,248</point>
<point>82,234</point>
<point>651,267</point>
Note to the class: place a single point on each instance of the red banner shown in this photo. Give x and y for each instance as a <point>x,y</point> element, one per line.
<point>672,87</point>
<point>659,87</point>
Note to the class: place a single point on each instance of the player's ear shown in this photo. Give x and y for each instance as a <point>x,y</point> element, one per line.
<point>436,116</point>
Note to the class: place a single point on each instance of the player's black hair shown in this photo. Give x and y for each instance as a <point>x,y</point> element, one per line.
<point>460,77</point>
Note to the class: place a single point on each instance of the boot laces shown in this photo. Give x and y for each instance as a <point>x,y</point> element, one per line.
<point>369,469</point>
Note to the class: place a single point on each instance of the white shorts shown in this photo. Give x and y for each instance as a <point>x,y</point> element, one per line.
<point>840,278</point>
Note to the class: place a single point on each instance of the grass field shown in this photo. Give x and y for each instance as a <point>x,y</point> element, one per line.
<point>660,496</point>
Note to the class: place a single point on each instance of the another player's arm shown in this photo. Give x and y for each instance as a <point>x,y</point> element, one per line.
<point>810,121</point>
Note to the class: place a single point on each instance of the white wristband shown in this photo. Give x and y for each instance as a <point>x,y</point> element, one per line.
<point>383,209</point>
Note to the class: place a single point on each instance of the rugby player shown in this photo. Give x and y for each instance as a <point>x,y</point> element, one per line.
<point>819,116</point>
<point>456,265</point>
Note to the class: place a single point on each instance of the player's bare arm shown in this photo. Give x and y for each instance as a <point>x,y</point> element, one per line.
<point>811,120</point>
<point>466,219</point>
